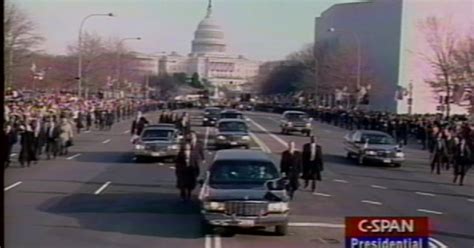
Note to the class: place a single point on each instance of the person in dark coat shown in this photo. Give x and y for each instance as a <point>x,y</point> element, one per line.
<point>52,139</point>
<point>187,171</point>
<point>9,141</point>
<point>291,167</point>
<point>312,163</point>
<point>450,149</point>
<point>138,125</point>
<point>440,153</point>
<point>79,124</point>
<point>462,160</point>
<point>39,137</point>
<point>109,119</point>
<point>27,152</point>
<point>88,120</point>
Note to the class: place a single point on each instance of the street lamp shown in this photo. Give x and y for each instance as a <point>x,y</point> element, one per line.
<point>79,45</point>
<point>119,54</point>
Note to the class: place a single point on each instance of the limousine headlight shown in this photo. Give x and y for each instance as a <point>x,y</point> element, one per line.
<point>399,155</point>
<point>173,147</point>
<point>370,153</point>
<point>214,206</point>
<point>206,119</point>
<point>289,124</point>
<point>246,137</point>
<point>221,137</point>
<point>308,125</point>
<point>278,207</point>
<point>139,147</point>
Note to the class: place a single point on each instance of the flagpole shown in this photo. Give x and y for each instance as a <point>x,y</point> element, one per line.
<point>410,97</point>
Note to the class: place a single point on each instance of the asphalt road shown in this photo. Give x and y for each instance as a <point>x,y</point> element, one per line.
<point>97,196</point>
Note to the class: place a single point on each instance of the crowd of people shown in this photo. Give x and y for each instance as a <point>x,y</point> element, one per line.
<point>45,125</point>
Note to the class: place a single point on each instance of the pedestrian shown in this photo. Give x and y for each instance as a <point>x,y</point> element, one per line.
<point>78,121</point>
<point>197,148</point>
<point>27,153</point>
<point>290,167</point>
<point>462,160</point>
<point>187,172</point>
<point>39,137</point>
<point>109,119</point>
<point>65,136</point>
<point>10,138</point>
<point>312,163</point>
<point>450,149</point>
<point>138,125</point>
<point>89,120</point>
<point>52,138</point>
<point>439,153</point>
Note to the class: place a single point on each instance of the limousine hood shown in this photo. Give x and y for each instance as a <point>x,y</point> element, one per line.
<point>229,193</point>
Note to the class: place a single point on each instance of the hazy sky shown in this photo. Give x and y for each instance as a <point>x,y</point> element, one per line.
<point>258,29</point>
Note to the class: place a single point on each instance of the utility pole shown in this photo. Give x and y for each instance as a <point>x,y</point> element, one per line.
<point>410,97</point>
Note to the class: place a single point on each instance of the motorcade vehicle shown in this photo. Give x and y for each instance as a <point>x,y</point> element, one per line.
<point>157,142</point>
<point>373,146</point>
<point>231,114</point>
<point>296,121</point>
<point>211,115</point>
<point>232,133</point>
<point>243,188</point>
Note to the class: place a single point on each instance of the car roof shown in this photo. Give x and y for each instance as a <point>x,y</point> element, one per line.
<point>241,154</point>
<point>293,112</point>
<point>230,111</point>
<point>232,120</point>
<point>372,132</point>
<point>160,128</point>
<point>212,108</point>
<point>162,125</point>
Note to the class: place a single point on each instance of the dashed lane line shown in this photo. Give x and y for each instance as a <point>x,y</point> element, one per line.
<point>321,194</point>
<point>217,241</point>
<point>378,186</point>
<point>13,155</point>
<point>208,241</point>
<point>424,194</point>
<point>106,141</point>
<point>12,186</point>
<point>172,167</point>
<point>212,241</point>
<point>434,243</point>
<point>73,156</point>
<point>371,202</point>
<point>470,200</point>
<point>340,181</point>
<point>280,140</point>
<point>88,131</point>
<point>127,131</point>
<point>102,188</point>
<point>260,143</point>
<point>429,211</point>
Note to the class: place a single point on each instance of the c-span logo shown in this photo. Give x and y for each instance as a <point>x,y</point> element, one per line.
<point>387,232</point>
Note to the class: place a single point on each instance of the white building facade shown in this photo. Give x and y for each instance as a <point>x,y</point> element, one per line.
<point>209,59</point>
<point>388,34</point>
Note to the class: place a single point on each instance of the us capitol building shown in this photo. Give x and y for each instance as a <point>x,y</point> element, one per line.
<point>209,59</point>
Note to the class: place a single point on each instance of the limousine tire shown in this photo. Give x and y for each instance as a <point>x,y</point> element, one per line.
<point>281,230</point>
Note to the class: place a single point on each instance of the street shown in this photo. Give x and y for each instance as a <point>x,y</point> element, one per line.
<point>98,196</point>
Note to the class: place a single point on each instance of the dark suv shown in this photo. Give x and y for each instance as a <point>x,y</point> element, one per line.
<point>211,115</point>
<point>243,188</point>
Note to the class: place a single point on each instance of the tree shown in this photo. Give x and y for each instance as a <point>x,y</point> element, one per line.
<point>20,39</point>
<point>181,78</point>
<point>195,82</point>
<point>442,41</point>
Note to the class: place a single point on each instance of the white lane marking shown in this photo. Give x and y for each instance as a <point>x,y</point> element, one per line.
<point>434,243</point>
<point>172,167</point>
<point>315,224</point>
<point>471,200</point>
<point>280,140</point>
<point>74,156</point>
<point>102,188</point>
<point>378,186</point>
<point>428,211</point>
<point>210,153</point>
<point>327,131</point>
<point>106,141</point>
<point>321,194</point>
<point>207,242</point>
<point>371,202</point>
<point>425,194</point>
<point>260,143</point>
<point>206,138</point>
<point>87,131</point>
<point>12,186</point>
<point>160,163</point>
<point>217,241</point>
<point>13,155</point>
<point>128,131</point>
<point>340,181</point>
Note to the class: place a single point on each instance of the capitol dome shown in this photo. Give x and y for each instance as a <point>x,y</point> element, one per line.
<point>208,37</point>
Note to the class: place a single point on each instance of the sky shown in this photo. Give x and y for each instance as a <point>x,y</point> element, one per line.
<point>258,29</point>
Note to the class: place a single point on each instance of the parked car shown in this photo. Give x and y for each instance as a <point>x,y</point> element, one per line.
<point>211,115</point>
<point>296,121</point>
<point>243,188</point>
<point>157,142</point>
<point>232,133</point>
<point>373,146</point>
<point>231,114</point>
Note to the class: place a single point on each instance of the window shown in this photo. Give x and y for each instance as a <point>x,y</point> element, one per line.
<point>157,134</point>
<point>377,139</point>
<point>296,116</point>
<point>242,172</point>
<point>233,126</point>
